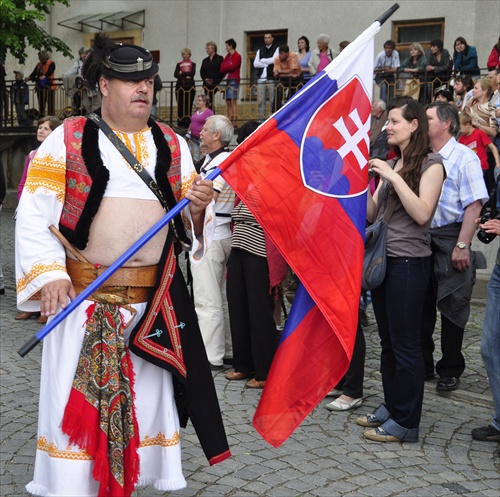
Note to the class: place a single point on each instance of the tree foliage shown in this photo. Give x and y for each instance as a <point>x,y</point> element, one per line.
<point>20,28</point>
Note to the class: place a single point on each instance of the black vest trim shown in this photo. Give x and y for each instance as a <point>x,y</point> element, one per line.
<point>163,161</point>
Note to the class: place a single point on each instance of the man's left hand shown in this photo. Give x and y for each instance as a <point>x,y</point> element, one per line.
<point>200,194</point>
<point>460,259</point>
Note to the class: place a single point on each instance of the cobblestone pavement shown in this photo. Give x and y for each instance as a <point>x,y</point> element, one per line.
<point>326,456</point>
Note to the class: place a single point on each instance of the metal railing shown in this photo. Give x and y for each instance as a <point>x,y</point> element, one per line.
<point>168,97</point>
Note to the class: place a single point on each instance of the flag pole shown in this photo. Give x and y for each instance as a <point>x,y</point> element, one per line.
<point>38,337</point>
<point>388,13</point>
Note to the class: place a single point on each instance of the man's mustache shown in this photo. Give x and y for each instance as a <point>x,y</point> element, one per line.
<point>136,98</point>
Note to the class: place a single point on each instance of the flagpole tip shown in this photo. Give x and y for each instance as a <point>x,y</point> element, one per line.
<point>387,14</point>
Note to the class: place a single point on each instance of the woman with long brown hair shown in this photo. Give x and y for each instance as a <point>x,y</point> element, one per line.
<point>410,186</point>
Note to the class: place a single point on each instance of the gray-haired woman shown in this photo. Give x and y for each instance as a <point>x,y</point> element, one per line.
<point>322,55</point>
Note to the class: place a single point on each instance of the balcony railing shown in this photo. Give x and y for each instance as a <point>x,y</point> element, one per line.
<point>167,110</point>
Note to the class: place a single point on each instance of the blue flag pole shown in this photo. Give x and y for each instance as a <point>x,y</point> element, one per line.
<point>38,337</point>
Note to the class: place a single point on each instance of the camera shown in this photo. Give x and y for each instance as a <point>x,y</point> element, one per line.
<point>80,83</point>
<point>488,212</point>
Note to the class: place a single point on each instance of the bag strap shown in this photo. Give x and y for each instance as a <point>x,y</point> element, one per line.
<point>130,158</point>
<point>138,168</point>
<point>391,203</point>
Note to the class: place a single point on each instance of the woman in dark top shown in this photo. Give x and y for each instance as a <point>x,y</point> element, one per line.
<point>411,184</point>
<point>185,88</point>
<point>465,58</point>
<point>438,62</point>
<point>438,67</point>
<point>210,71</point>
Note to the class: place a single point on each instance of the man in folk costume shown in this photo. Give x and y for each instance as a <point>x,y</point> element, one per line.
<point>127,368</point>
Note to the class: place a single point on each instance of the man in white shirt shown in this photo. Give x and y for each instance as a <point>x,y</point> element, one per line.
<point>454,262</point>
<point>209,275</point>
<point>264,61</point>
<point>386,66</point>
<point>463,91</point>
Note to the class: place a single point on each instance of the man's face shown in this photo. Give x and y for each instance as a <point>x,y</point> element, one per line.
<point>388,50</point>
<point>436,127</point>
<point>268,39</point>
<point>283,56</point>
<point>376,111</point>
<point>493,78</point>
<point>459,88</point>
<point>209,141</point>
<point>125,99</point>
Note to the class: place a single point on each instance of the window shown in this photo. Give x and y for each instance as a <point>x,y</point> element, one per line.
<point>422,31</point>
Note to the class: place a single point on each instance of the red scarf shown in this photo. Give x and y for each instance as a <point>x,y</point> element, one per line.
<point>100,416</point>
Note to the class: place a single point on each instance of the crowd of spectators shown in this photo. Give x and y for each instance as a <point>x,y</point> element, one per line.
<point>424,150</point>
<point>417,75</point>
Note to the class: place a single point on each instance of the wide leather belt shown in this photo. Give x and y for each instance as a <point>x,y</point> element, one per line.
<point>127,285</point>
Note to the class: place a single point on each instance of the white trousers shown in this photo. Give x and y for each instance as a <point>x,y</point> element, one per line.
<point>210,301</point>
<point>64,470</point>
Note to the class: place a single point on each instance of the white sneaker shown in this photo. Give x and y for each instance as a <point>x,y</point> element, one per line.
<point>342,405</point>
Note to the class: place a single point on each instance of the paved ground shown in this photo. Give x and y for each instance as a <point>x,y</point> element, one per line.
<point>325,457</point>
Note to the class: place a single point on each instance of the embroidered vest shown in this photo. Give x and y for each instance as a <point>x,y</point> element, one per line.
<point>87,177</point>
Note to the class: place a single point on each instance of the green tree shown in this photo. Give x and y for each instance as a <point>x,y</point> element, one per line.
<point>19,28</point>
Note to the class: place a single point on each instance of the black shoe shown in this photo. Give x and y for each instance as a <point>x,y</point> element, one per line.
<point>447,383</point>
<point>213,367</point>
<point>429,377</point>
<point>486,434</point>
<point>2,291</point>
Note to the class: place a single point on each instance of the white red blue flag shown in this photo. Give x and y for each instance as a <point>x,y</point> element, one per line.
<point>303,174</point>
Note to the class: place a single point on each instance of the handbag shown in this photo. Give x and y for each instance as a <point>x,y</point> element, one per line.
<point>412,88</point>
<point>375,260</point>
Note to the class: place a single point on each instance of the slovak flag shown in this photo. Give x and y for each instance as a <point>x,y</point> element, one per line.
<point>304,175</point>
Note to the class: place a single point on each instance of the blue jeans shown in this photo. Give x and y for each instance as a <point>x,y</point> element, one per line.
<point>490,343</point>
<point>398,305</point>
<point>387,90</point>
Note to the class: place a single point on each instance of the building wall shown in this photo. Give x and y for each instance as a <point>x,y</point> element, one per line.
<point>172,25</point>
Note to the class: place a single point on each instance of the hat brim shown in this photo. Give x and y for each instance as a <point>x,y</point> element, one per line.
<point>131,76</point>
